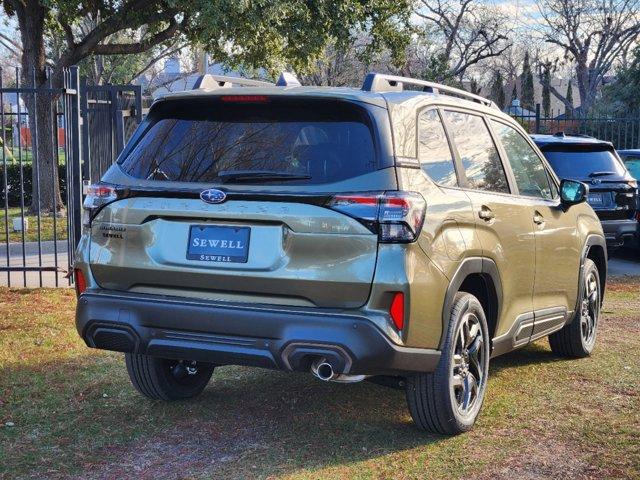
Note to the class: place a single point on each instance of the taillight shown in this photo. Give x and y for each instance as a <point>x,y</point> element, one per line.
<point>397,217</point>
<point>97,196</point>
<point>79,280</point>
<point>397,310</point>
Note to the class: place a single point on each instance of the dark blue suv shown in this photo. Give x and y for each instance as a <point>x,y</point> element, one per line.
<point>613,192</point>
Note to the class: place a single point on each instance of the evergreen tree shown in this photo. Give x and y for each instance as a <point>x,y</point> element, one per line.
<point>526,84</point>
<point>546,91</point>
<point>514,92</point>
<point>497,91</point>
<point>568,112</point>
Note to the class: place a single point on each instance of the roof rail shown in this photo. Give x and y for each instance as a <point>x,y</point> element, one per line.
<point>380,82</point>
<point>208,81</point>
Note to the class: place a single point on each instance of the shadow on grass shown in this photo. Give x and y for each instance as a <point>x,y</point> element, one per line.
<point>89,421</point>
<point>535,353</point>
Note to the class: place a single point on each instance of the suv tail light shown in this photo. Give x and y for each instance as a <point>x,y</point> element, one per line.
<point>97,196</point>
<point>397,217</point>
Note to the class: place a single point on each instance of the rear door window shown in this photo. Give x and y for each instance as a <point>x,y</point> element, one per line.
<point>478,153</point>
<point>260,142</point>
<point>528,170</point>
<point>434,151</point>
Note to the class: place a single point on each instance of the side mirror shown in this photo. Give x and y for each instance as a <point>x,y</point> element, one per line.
<point>573,192</point>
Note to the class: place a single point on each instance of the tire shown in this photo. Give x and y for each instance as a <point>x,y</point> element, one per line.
<point>577,338</point>
<point>165,379</point>
<point>437,400</point>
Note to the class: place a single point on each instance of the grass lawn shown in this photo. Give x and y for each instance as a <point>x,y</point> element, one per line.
<point>31,235</point>
<point>14,154</point>
<point>74,413</point>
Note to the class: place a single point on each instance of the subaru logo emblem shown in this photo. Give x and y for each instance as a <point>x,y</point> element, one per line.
<point>596,181</point>
<point>211,195</point>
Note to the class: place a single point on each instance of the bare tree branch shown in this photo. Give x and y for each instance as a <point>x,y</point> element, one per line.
<point>471,32</point>
<point>142,46</point>
<point>167,52</point>
<point>594,34</point>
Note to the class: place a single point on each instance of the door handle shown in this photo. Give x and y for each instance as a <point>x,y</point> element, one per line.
<point>486,214</point>
<point>538,219</point>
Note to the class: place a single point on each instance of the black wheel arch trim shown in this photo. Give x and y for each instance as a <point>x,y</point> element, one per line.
<point>472,265</point>
<point>591,241</point>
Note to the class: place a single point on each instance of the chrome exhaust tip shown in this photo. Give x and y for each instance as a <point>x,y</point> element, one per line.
<point>323,370</point>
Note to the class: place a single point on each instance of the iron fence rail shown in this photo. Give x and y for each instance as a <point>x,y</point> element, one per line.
<point>31,117</point>
<point>78,130</point>
<point>623,132</point>
<point>75,129</point>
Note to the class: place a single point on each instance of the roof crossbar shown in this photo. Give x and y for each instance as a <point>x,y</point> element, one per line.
<point>380,82</point>
<point>208,81</point>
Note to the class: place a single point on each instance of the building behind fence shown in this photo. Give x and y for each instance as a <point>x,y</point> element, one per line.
<point>90,126</point>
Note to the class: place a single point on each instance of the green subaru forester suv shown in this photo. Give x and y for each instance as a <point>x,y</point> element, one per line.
<point>405,232</point>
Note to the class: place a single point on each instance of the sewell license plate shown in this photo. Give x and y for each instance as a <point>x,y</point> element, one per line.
<point>595,199</point>
<point>218,243</point>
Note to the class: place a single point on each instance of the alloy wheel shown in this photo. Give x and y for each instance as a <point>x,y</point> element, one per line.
<point>468,374</point>
<point>590,309</point>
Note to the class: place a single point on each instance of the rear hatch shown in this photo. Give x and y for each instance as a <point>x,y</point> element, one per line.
<point>223,197</point>
<point>613,192</point>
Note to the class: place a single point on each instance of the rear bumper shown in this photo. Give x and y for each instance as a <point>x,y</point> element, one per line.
<point>617,231</point>
<point>275,337</point>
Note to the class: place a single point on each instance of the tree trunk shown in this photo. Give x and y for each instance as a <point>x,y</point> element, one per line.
<point>45,193</point>
<point>584,86</point>
<point>46,196</point>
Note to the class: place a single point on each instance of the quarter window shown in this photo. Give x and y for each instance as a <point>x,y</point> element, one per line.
<point>478,153</point>
<point>433,150</point>
<point>528,170</point>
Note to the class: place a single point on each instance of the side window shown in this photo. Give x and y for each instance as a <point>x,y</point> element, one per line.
<point>478,153</point>
<point>434,152</point>
<point>531,176</point>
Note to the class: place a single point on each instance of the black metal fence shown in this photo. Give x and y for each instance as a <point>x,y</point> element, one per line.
<point>110,115</point>
<point>53,136</point>
<point>58,134</point>
<point>623,132</point>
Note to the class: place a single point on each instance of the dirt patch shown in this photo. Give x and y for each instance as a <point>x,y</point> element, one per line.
<point>185,451</point>
<point>546,458</point>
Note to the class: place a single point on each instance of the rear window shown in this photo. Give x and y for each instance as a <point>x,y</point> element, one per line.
<point>265,141</point>
<point>582,162</point>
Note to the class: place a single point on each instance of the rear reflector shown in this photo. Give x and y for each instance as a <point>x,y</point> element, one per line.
<point>81,283</point>
<point>397,310</point>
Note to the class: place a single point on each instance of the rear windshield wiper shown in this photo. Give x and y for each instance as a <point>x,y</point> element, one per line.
<point>601,174</point>
<point>259,175</point>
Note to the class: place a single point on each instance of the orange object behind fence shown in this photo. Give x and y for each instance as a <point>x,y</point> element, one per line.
<point>25,137</point>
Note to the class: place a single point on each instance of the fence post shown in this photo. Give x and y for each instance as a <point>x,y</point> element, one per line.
<point>138,94</point>
<point>75,183</point>
<point>116,122</point>
<point>84,111</point>
<point>537,118</point>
